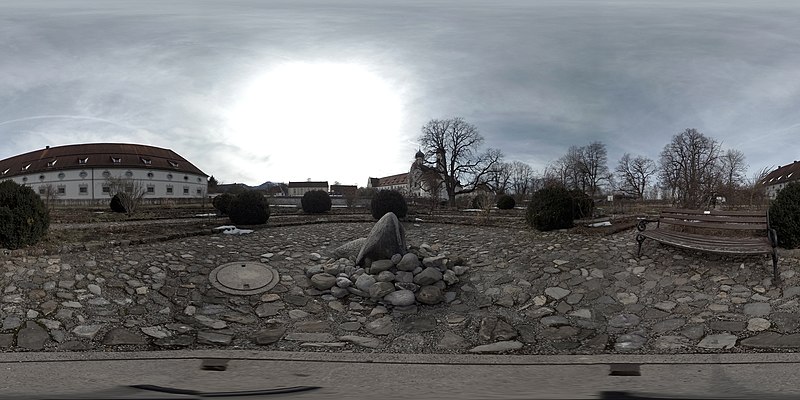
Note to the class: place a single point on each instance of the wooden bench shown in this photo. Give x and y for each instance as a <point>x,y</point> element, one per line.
<point>713,232</point>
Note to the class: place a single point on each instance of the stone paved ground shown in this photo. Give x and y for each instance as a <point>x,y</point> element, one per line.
<point>523,293</point>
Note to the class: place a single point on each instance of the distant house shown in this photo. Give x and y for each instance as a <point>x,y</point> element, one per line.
<point>343,190</point>
<point>778,179</point>
<point>397,182</point>
<point>300,188</point>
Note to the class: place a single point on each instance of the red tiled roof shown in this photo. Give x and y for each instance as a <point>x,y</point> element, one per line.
<point>96,155</point>
<point>399,179</point>
<point>786,173</point>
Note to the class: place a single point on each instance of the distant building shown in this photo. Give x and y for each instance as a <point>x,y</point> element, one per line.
<point>300,188</point>
<point>82,171</point>
<point>778,179</point>
<point>343,190</point>
<point>416,182</point>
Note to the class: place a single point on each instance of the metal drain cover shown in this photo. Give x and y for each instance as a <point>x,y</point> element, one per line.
<point>244,278</point>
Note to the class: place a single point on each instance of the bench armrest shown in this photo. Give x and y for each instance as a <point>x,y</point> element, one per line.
<point>773,237</point>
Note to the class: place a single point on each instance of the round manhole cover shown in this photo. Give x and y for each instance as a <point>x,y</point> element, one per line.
<point>243,278</point>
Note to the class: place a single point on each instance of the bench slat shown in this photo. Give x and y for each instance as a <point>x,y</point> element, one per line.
<point>711,225</point>
<point>761,219</point>
<point>714,212</point>
<point>710,244</point>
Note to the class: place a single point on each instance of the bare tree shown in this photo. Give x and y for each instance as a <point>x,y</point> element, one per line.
<point>635,173</point>
<point>755,187</point>
<point>131,192</point>
<point>522,178</point>
<point>689,168</point>
<point>50,194</point>
<point>453,146</point>
<point>499,177</point>
<point>594,162</point>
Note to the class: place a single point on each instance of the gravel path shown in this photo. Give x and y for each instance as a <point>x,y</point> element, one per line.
<point>523,293</point>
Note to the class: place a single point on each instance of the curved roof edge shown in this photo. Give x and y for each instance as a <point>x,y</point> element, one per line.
<point>96,155</point>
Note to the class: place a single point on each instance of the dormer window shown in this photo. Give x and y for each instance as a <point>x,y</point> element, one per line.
<point>5,172</point>
<point>83,161</point>
<point>146,161</point>
<point>51,164</point>
<point>790,175</point>
<point>173,164</point>
<point>25,168</point>
<point>116,160</point>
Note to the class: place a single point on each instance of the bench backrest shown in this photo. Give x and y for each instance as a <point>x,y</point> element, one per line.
<point>715,219</point>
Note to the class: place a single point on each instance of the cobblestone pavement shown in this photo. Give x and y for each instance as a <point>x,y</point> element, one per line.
<point>522,293</point>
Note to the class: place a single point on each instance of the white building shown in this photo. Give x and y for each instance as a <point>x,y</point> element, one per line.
<point>300,188</point>
<point>778,179</point>
<point>81,171</point>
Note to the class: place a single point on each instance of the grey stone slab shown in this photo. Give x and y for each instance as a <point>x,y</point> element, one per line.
<point>498,347</point>
<point>772,340</point>
<point>719,341</point>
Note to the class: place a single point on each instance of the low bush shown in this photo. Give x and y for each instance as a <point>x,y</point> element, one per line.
<point>550,208</point>
<point>784,216</point>
<point>249,208</point>
<point>388,201</point>
<point>23,216</point>
<point>506,202</point>
<point>222,203</point>
<point>117,203</point>
<point>316,202</point>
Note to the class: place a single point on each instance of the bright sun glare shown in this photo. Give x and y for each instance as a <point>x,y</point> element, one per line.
<point>323,121</point>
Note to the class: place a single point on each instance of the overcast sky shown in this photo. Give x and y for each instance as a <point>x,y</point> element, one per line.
<point>257,90</point>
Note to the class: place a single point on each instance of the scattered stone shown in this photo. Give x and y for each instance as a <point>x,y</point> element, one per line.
<point>156,332</point>
<point>757,309</point>
<point>380,266</point>
<point>11,322</point>
<point>671,343</point>
<point>210,322</point>
<point>669,325</point>
<point>497,347</point>
<point>408,263</point>
<point>757,324</point>
<point>624,321</point>
<point>428,276</point>
<point>429,295</point>
<point>627,298</point>
<point>556,293</point>
<point>400,298</point>
<point>364,282</point>
<point>32,336</point>
<point>719,341</point>
<point>629,342</point>
<point>272,333</point>
<point>269,309</point>
<point>323,281</point>
<point>380,327</point>
<point>86,331</point>
<point>554,321</point>
<point>773,340</point>
<point>122,336</point>
<point>381,289</point>
<point>309,337</point>
<point>451,341</point>
<point>206,337</point>
<point>362,341</point>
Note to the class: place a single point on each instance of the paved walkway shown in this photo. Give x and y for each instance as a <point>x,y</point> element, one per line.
<point>523,293</point>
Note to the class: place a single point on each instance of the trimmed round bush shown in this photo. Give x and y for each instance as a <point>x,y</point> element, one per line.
<point>582,205</point>
<point>23,216</point>
<point>223,203</point>
<point>388,201</point>
<point>784,216</point>
<point>550,208</point>
<point>249,208</point>
<point>506,202</point>
<point>316,202</point>
<point>116,203</point>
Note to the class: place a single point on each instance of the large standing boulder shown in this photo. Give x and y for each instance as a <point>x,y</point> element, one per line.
<point>350,249</point>
<point>387,238</point>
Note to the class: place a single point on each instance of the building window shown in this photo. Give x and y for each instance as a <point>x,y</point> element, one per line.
<point>83,174</point>
<point>169,190</point>
<point>106,174</point>
<point>42,191</point>
<point>61,175</point>
<point>198,179</point>
<point>116,160</point>
<point>129,174</point>
<point>151,189</point>
<point>186,178</point>
<point>83,161</point>
<point>146,161</point>
<point>106,189</point>
<point>51,164</point>
<point>150,175</point>
<point>185,190</point>
<point>5,172</point>
<point>169,176</point>
<point>41,177</point>
<point>199,191</point>
<point>173,164</point>
<point>25,168</point>
<point>62,190</point>
<point>83,189</point>
<point>25,179</point>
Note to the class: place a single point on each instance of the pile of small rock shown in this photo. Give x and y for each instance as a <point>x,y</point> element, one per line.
<point>401,281</point>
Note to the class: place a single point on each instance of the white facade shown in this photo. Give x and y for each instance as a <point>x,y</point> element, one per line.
<point>91,183</point>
